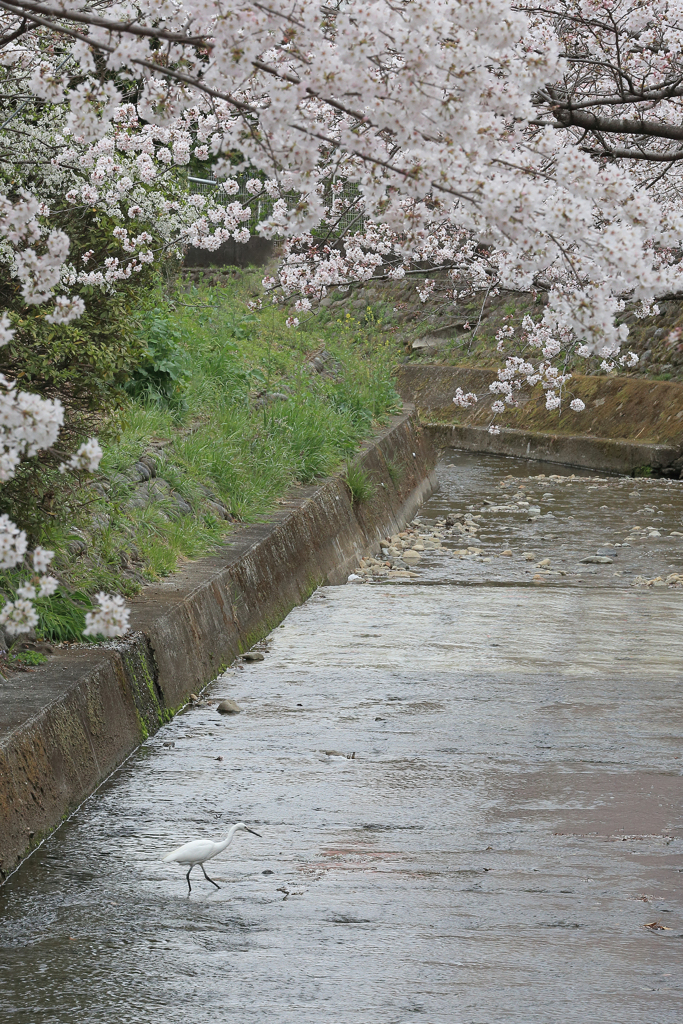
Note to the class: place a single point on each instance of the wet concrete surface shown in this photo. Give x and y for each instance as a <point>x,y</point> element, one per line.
<point>504,846</point>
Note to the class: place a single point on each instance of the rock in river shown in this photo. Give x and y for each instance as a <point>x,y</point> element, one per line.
<point>228,707</point>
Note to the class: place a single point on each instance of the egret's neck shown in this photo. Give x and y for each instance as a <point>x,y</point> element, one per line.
<point>225,843</point>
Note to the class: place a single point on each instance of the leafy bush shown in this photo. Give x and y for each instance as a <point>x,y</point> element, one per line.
<point>160,375</point>
<point>84,363</point>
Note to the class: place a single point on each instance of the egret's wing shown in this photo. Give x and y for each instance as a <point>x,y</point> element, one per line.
<point>191,853</point>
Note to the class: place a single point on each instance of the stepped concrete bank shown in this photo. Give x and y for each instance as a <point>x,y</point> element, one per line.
<point>67,725</point>
<point>629,425</point>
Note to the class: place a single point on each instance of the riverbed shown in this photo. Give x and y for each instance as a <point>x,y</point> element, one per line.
<point>467,783</point>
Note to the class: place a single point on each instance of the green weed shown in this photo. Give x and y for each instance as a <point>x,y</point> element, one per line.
<point>359,483</point>
<point>396,472</point>
<point>161,376</point>
<point>26,658</point>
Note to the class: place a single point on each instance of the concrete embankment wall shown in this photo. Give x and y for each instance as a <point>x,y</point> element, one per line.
<point>629,425</point>
<point>66,726</point>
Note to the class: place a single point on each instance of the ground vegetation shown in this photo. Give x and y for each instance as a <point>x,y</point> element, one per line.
<point>227,409</point>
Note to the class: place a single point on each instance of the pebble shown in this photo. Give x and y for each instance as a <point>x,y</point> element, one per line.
<point>399,554</point>
<point>228,707</point>
<point>253,656</point>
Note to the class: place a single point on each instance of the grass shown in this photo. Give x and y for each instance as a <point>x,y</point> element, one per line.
<point>359,483</point>
<point>396,472</point>
<point>239,417</point>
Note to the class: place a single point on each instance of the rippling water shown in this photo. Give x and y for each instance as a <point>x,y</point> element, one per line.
<point>495,851</point>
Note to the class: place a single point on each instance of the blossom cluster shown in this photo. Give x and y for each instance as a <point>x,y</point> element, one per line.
<point>20,615</point>
<point>110,619</point>
<point>437,140</point>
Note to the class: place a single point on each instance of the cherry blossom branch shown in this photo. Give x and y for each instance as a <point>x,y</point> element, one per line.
<point>11,36</point>
<point>569,117</point>
<point>127,27</point>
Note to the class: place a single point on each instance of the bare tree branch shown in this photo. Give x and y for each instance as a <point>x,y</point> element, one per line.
<point>11,36</point>
<point>570,118</point>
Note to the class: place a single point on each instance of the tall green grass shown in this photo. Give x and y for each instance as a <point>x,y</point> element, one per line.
<point>201,405</point>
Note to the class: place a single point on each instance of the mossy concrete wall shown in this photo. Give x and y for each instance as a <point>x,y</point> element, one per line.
<point>629,425</point>
<point>66,726</point>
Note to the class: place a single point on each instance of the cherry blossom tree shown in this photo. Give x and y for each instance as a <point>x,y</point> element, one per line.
<point>507,145</point>
<point>484,117</point>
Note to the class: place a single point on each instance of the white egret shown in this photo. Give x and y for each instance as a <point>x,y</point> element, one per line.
<point>201,850</point>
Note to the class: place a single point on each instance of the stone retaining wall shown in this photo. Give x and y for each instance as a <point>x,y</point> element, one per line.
<point>629,425</point>
<point>66,726</point>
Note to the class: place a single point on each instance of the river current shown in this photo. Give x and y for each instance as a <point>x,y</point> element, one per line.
<point>503,845</point>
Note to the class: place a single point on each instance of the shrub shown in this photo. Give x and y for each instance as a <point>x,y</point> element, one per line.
<point>160,375</point>
<point>84,363</point>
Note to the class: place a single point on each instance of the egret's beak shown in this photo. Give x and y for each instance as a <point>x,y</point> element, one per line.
<point>254,833</point>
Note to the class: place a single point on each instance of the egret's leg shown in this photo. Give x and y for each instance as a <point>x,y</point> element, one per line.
<point>187,876</point>
<point>209,879</point>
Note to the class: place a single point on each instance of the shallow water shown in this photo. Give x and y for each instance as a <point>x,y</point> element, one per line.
<point>509,827</point>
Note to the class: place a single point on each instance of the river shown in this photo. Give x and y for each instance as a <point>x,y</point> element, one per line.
<point>505,845</point>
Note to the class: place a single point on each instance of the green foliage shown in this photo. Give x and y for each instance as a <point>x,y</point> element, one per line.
<point>255,417</point>
<point>26,658</point>
<point>84,362</point>
<point>359,483</point>
<point>396,472</point>
<point>160,375</point>
<point>62,616</point>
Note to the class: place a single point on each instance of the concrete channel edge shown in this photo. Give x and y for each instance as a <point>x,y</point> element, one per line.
<point>606,455</point>
<point>73,721</point>
<point>612,404</point>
